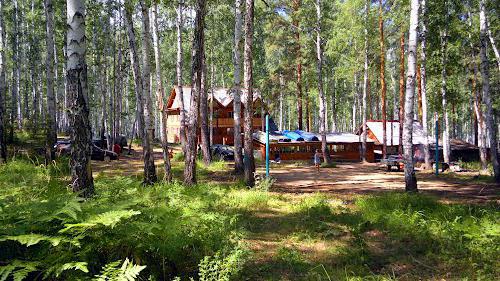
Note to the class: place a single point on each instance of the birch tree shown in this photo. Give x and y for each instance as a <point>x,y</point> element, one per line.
<point>322,100</point>
<point>490,124</point>
<point>477,101</point>
<point>410,178</point>
<point>149,162</point>
<point>204,126</point>
<point>161,97</point>
<point>49,66</point>
<point>16,113</point>
<point>401,90</point>
<point>138,85</point>
<point>196,74</point>
<point>444,97</point>
<point>238,24</point>
<point>365,85</point>
<point>3,86</point>
<point>249,164</point>
<point>383,88</point>
<point>76,76</point>
<point>179,65</point>
<point>423,81</point>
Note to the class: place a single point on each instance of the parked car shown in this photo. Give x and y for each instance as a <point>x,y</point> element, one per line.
<point>63,147</point>
<point>102,154</point>
<point>223,152</point>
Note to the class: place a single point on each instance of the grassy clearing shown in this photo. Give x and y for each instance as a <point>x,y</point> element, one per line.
<point>220,231</point>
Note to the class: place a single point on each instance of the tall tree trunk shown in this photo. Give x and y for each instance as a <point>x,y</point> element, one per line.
<point>238,25</point>
<point>179,65</point>
<point>490,124</point>
<point>365,85</point>
<point>16,114</point>
<point>149,162</point>
<point>296,23</point>
<point>282,85</point>
<point>197,76</point>
<point>410,178</point>
<point>76,75</point>
<point>423,83</point>
<point>401,90</point>
<point>322,100</point>
<point>480,127</point>
<point>138,86</point>
<point>3,86</point>
<point>249,164</point>
<point>161,97</point>
<point>446,129</point>
<point>383,88</point>
<point>51,102</point>
<point>308,108</point>
<point>419,93</point>
<point>204,126</point>
<point>492,41</point>
<point>334,103</point>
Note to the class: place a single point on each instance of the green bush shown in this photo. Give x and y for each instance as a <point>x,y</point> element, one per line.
<point>48,232</point>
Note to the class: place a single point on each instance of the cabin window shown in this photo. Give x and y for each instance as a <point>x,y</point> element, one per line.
<point>339,147</point>
<point>230,114</point>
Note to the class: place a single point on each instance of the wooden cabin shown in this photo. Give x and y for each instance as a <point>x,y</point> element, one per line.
<point>376,134</point>
<point>222,122</point>
<point>342,147</point>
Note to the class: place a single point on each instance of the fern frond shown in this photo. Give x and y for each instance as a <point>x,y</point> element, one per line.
<point>110,219</point>
<point>33,239</point>
<point>18,270</point>
<point>128,271</point>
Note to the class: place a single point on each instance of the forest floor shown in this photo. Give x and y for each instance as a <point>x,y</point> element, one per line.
<point>346,179</point>
<point>294,236</point>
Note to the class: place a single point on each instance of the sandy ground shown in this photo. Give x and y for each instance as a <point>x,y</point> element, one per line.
<point>357,178</point>
<point>345,179</point>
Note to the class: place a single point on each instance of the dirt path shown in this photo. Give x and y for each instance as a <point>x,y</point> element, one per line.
<point>356,178</point>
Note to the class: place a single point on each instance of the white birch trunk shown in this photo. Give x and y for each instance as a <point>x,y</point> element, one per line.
<point>410,178</point>
<point>179,65</point>
<point>149,167</point>
<point>238,156</point>
<point>248,162</point>
<point>365,86</point>
<point>446,129</point>
<point>490,124</point>
<point>81,136</point>
<point>322,100</point>
<point>423,79</point>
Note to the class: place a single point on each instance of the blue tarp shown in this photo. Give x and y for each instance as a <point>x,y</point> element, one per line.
<point>307,136</point>
<point>293,135</point>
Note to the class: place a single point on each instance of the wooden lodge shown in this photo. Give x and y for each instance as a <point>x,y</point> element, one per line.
<point>342,147</point>
<point>222,122</point>
<point>375,133</point>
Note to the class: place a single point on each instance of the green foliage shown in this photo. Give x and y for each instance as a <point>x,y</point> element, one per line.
<point>48,230</point>
<point>265,184</point>
<point>438,230</point>
<point>221,268</point>
<point>114,272</point>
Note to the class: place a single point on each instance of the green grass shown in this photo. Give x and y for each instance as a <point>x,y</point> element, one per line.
<point>221,231</point>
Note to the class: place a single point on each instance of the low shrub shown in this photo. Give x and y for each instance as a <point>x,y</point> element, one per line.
<point>160,231</point>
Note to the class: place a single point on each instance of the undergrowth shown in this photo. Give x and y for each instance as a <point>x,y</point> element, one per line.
<point>166,232</point>
<point>160,231</point>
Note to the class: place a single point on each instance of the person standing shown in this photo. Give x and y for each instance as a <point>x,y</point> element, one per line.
<point>317,159</point>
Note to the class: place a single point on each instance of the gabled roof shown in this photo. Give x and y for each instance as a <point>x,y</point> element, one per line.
<point>223,96</point>
<point>392,130</point>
